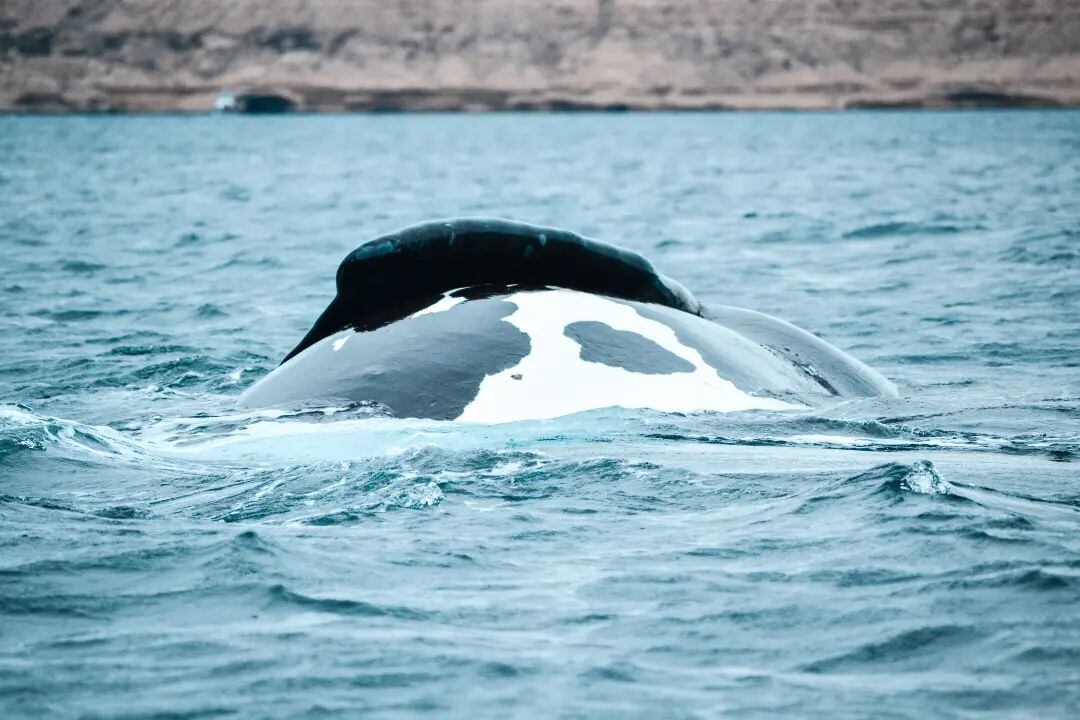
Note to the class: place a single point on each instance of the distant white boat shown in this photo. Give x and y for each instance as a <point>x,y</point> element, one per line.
<point>225,102</point>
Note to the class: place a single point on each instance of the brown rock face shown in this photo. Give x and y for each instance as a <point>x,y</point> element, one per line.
<point>160,55</point>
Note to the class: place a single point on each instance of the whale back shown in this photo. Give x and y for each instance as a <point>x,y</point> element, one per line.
<point>837,372</point>
<point>492,321</point>
<point>395,275</point>
<point>513,354</point>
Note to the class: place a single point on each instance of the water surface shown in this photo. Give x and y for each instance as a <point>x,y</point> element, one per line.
<point>164,554</point>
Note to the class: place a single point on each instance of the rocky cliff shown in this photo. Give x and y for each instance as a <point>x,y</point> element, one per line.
<point>158,55</point>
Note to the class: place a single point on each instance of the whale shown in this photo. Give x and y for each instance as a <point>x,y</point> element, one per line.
<point>485,320</point>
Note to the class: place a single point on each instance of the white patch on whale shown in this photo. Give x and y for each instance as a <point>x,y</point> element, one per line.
<point>441,305</point>
<point>553,380</point>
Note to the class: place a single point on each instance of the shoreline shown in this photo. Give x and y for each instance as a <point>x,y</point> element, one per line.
<point>289,102</point>
<point>308,112</point>
<point>274,98</point>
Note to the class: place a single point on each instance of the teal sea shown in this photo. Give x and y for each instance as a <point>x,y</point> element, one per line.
<point>165,554</point>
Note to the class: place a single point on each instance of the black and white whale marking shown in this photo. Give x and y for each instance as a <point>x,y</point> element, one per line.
<point>519,347</point>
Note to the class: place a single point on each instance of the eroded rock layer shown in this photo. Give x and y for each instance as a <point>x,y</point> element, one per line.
<point>333,55</point>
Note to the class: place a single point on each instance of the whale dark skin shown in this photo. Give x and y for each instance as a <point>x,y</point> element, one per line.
<point>395,275</point>
<point>422,365</point>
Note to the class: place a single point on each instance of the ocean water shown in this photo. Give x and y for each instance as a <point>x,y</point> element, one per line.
<point>165,554</point>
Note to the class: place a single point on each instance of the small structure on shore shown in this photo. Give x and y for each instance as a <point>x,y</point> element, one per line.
<point>259,102</point>
<point>225,102</point>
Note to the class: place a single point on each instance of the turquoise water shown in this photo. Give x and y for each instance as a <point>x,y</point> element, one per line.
<point>163,554</point>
